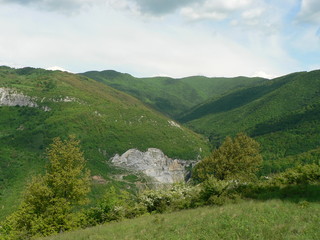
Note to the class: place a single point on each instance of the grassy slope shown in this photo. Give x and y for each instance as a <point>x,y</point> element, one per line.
<point>273,219</point>
<point>105,120</point>
<point>282,114</point>
<point>171,96</point>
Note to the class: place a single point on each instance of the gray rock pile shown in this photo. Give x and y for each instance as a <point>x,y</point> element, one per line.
<point>155,164</point>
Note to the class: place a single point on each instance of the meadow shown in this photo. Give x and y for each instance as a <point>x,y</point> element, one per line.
<point>272,219</point>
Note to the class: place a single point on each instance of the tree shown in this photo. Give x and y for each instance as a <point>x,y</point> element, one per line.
<point>49,201</point>
<point>66,174</point>
<point>236,159</point>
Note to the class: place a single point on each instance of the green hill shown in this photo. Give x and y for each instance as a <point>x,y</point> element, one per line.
<point>272,219</point>
<point>172,96</point>
<point>282,114</point>
<point>47,104</point>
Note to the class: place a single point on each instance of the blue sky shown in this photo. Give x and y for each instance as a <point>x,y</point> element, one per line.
<point>163,37</point>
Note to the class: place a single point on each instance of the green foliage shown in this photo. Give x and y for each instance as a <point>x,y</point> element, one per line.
<point>106,121</point>
<point>283,120</point>
<point>180,196</point>
<point>273,219</point>
<point>303,174</point>
<point>49,200</point>
<point>172,97</point>
<point>214,191</point>
<point>236,160</point>
<point>66,174</point>
<point>296,184</point>
<point>114,206</point>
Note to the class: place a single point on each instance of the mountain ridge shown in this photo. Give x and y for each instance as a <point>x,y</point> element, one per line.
<point>171,96</point>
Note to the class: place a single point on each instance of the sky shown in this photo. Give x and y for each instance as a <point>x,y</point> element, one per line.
<point>176,38</point>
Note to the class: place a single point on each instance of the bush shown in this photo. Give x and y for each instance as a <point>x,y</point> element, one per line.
<point>236,159</point>
<point>218,192</point>
<point>114,206</point>
<point>180,196</point>
<point>307,174</point>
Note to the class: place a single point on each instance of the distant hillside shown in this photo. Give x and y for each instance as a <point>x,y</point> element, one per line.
<point>282,114</point>
<point>37,105</point>
<point>172,96</point>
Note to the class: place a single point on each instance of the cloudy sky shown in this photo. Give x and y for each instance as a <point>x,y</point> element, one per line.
<point>163,37</point>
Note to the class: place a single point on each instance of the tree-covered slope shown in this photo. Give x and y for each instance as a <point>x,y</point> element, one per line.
<point>282,114</point>
<point>168,95</point>
<point>47,104</point>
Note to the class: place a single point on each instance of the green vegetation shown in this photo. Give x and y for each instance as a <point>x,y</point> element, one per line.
<point>281,114</point>
<point>272,219</point>
<point>236,159</point>
<point>48,208</point>
<point>172,96</point>
<point>290,209</point>
<point>49,201</point>
<point>105,120</point>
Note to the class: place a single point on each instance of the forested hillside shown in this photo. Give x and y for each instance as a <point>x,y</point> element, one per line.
<point>282,114</point>
<point>172,96</point>
<point>38,105</point>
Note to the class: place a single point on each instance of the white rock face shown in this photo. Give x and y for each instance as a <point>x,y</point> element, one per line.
<point>174,124</point>
<point>154,164</point>
<point>9,97</point>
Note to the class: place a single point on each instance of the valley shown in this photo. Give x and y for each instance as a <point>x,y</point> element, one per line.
<point>138,133</point>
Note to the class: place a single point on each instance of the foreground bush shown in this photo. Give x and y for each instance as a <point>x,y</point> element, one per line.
<point>114,206</point>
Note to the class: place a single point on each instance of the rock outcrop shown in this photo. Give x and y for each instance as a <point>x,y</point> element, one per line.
<point>155,164</point>
<point>9,97</point>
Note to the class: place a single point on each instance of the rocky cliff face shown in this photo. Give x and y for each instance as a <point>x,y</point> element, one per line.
<point>10,97</point>
<point>154,164</point>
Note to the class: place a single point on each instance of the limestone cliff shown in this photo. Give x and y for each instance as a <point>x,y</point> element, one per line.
<point>155,164</point>
<point>10,97</point>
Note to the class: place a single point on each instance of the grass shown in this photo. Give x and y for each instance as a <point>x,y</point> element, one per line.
<point>273,219</point>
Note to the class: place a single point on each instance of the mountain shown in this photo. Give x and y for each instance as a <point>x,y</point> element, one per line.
<point>37,105</point>
<point>168,95</point>
<point>283,114</point>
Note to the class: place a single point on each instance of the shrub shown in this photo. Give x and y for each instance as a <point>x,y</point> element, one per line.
<point>236,159</point>
<point>214,191</point>
<point>306,174</point>
<point>114,206</point>
<point>180,196</point>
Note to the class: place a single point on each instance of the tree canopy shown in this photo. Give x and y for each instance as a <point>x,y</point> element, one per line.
<point>49,200</point>
<point>236,159</point>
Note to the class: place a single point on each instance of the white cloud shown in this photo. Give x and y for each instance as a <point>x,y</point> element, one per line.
<point>195,14</point>
<point>156,7</point>
<point>252,13</point>
<point>214,9</point>
<point>263,74</point>
<point>53,68</point>
<point>310,11</point>
<point>251,40</point>
<point>64,6</point>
